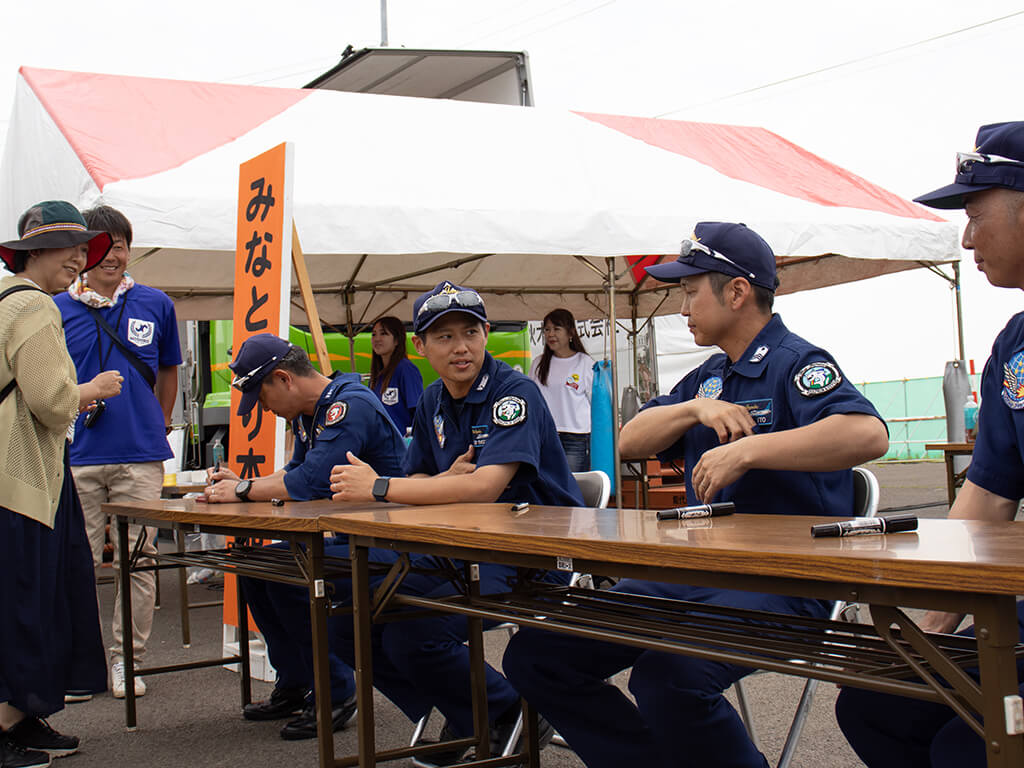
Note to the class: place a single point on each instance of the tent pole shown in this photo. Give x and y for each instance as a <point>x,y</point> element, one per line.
<point>959,310</point>
<point>615,383</point>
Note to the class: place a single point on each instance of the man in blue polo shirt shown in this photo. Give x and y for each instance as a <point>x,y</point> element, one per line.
<point>893,731</point>
<point>770,424</point>
<point>110,321</point>
<point>330,417</point>
<point>482,433</point>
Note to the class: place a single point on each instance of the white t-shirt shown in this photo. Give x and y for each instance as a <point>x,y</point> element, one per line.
<point>568,391</point>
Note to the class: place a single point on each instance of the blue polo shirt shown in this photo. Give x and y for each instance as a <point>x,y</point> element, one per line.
<point>402,393</point>
<point>131,429</point>
<point>784,382</point>
<point>505,417</point>
<point>348,417</point>
<point>998,461</point>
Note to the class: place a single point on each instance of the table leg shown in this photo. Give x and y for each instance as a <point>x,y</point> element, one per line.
<point>245,671</point>
<point>950,478</point>
<point>319,604</point>
<point>186,624</point>
<point>478,677</point>
<point>995,623</point>
<point>127,646</point>
<point>361,598</point>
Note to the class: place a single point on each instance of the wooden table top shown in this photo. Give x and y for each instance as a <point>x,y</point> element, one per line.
<point>300,516</point>
<point>950,447</point>
<point>948,555</point>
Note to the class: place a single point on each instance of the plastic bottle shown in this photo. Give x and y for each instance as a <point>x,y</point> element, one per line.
<point>218,452</point>
<point>971,418</point>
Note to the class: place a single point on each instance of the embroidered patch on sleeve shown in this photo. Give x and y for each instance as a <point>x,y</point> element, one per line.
<point>335,413</point>
<point>817,379</point>
<point>509,411</point>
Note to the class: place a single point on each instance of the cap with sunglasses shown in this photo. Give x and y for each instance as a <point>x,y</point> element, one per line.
<point>257,357</point>
<point>998,161</point>
<point>716,246</point>
<point>445,298</point>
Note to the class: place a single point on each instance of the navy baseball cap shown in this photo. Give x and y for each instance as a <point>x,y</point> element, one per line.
<point>445,298</point>
<point>717,246</point>
<point>258,356</point>
<point>997,161</point>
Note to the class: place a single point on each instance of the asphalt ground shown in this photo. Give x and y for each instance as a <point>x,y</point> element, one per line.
<point>194,718</point>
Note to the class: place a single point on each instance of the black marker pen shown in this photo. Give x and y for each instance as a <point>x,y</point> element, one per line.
<point>698,510</point>
<point>859,525</point>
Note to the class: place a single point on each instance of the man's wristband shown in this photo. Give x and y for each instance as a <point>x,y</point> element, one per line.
<point>380,488</point>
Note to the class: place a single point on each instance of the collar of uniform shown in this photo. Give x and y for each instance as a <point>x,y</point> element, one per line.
<point>484,380</point>
<point>770,336</point>
<point>338,380</point>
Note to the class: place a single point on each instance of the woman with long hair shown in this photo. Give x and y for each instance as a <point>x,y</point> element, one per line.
<point>565,374</point>
<point>393,378</point>
<point>50,640</point>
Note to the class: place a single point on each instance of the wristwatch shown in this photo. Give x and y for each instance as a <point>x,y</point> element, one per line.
<point>380,488</point>
<point>242,489</point>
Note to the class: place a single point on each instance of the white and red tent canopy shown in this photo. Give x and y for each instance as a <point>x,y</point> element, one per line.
<point>393,194</point>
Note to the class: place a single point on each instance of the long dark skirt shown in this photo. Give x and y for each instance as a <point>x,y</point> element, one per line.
<point>50,638</point>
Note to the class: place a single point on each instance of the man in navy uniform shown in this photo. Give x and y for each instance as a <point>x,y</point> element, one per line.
<point>772,425</point>
<point>329,417</point>
<point>893,731</point>
<point>481,433</point>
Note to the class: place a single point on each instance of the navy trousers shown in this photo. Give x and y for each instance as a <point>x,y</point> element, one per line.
<point>281,612</point>
<point>424,663</point>
<point>892,731</point>
<point>680,717</point>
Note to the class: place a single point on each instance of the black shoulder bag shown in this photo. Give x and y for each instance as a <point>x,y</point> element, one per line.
<point>9,387</point>
<point>144,370</point>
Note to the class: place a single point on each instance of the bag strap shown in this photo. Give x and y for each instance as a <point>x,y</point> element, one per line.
<point>9,387</point>
<point>144,370</point>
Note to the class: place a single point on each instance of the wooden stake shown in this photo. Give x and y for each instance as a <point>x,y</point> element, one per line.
<point>309,304</point>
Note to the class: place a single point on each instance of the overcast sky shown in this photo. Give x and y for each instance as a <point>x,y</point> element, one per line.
<point>890,90</point>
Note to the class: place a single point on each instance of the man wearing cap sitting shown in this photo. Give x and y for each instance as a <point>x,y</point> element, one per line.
<point>481,433</point>
<point>894,731</point>
<point>770,424</point>
<point>329,418</point>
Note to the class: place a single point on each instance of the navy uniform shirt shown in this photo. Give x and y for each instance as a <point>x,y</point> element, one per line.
<point>784,382</point>
<point>505,417</point>
<point>348,417</point>
<point>998,461</point>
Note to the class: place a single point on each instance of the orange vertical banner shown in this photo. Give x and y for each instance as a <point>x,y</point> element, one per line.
<point>263,278</point>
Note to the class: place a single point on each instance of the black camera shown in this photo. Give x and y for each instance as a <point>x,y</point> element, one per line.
<point>95,413</point>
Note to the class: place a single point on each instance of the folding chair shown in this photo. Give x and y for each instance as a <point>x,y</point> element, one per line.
<point>865,495</point>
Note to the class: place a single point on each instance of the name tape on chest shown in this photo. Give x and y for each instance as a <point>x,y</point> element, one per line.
<point>509,411</point>
<point>817,379</point>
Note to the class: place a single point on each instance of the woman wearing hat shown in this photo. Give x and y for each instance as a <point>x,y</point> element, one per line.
<point>50,639</point>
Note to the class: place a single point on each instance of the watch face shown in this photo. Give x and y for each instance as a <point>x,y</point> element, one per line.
<point>380,488</point>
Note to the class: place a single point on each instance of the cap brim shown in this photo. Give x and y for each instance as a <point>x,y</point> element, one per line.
<point>674,271</point>
<point>478,316</point>
<point>249,399</point>
<point>952,196</point>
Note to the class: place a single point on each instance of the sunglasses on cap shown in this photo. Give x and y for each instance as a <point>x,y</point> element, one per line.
<point>966,161</point>
<point>239,382</point>
<point>689,246</point>
<point>442,301</point>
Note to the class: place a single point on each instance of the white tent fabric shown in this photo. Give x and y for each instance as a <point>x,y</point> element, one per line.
<point>393,194</point>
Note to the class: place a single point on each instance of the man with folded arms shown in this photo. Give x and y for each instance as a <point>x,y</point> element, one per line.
<point>770,424</point>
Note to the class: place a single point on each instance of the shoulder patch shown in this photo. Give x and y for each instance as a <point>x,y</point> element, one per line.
<point>1013,381</point>
<point>335,413</point>
<point>817,379</point>
<point>711,388</point>
<point>509,411</point>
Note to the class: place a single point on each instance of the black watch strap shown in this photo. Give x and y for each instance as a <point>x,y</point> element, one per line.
<point>380,488</point>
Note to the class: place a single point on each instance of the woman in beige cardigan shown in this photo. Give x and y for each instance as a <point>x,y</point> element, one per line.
<point>50,638</point>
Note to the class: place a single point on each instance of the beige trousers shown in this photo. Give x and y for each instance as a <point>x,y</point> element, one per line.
<point>119,483</point>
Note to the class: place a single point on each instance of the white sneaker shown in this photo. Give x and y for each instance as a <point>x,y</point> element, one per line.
<point>117,681</point>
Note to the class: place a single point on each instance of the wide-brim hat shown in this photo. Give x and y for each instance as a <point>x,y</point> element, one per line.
<point>55,224</point>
